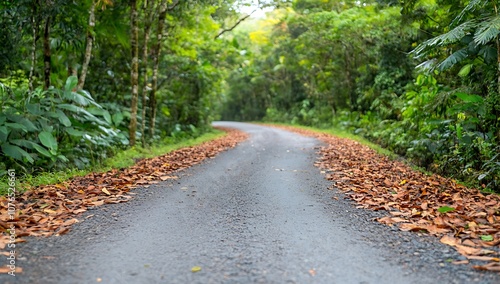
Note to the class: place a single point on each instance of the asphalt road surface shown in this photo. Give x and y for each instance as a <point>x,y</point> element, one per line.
<point>258,213</point>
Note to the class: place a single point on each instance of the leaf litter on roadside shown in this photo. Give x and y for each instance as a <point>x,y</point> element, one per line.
<point>461,217</point>
<point>51,210</point>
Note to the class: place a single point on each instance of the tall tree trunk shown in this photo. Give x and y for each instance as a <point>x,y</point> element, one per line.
<point>34,23</point>
<point>46,53</point>
<point>88,48</point>
<point>156,63</point>
<point>134,73</point>
<point>148,8</point>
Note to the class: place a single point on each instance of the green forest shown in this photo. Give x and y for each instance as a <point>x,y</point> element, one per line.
<point>83,80</point>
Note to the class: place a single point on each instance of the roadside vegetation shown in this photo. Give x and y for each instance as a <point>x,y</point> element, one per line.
<point>122,159</point>
<point>81,82</point>
<point>84,81</point>
<point>419,78</point>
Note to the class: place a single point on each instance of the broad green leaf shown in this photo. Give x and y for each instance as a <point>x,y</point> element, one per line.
<point>487,238</point>
<point>465,70</point>
<point>468,98</point>
<point>34,109</point>
<point>73,132</point>
<point>29,125</point>
<point>63,118</point>
<point>80,111</point>
<point>88,97</point>
<point>76,98</point>
<point>62,158</point>
<point>117,118</point>
<point>43,151</point>
<point>107,117</point>
<point>445,209</point>
<point>17,126</point>
<point>71,83</point>
<point>23,143</point>
<point>4,133</point>
<point>48,140</point>
<point>16,152</point>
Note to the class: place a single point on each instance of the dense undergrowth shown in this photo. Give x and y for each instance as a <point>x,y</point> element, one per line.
<point>419,79</point>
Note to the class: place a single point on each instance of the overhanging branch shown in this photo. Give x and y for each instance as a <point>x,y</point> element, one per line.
<point>234,26</point>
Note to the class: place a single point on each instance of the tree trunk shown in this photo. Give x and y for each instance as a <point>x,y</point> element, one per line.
<point>46,54</point>
<point>498,52</point>
<point>88,48</point>
<point>156,63</point>
<point>134,74</point>
<point>34,23</point>
<point>147,31</point>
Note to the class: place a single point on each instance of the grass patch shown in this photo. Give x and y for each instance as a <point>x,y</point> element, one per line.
<point>122,159</point>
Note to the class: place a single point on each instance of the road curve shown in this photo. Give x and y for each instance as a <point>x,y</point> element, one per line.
<point>259,213</point>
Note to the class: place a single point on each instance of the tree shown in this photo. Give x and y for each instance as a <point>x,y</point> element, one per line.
<point>134,72</point>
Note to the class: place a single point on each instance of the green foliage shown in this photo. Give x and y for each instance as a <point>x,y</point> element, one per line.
<point>326,64</point>
<point>54,129</point>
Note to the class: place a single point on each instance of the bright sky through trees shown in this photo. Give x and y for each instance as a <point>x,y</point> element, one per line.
<point>254,6</point>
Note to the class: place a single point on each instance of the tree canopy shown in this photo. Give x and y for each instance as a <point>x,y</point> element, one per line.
<point>80,80</point>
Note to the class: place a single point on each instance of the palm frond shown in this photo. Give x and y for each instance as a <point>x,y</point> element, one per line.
<point>488,53</point>
<point>471,7</point>
<point>487,30</point>
<point>450,37</point>
<point>453,59</point>
<point>427,65</point>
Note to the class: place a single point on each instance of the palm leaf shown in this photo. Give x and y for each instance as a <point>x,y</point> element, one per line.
<point>487,30</point>
<point>453,59</point>
<point>471,7</point>
<point>453,36</point>
<point>489,53</point>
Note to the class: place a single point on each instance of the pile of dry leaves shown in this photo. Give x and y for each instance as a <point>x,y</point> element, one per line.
<point>52,209</point>
<point>462,217</point>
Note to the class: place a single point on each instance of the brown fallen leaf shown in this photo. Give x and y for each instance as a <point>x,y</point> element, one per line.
<point>458,262</point>
<point>6,269</point>
<point>51,209</point>
<point>168,177</point>
<point>449,240</point>
<point>376,182</point>
<point>484,258</point>
<point>489,267</point>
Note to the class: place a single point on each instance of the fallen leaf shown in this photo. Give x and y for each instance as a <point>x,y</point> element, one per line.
<point>489,267</point>
<point>195,269</point>
<point>6,269</point>
<point>458,262</point>
<point>449,240</point>
<point>484,258</point>
<point>168,177</point>
<point>51,209</point>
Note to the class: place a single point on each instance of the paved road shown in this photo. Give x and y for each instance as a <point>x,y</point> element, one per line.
<point>259,213</point>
